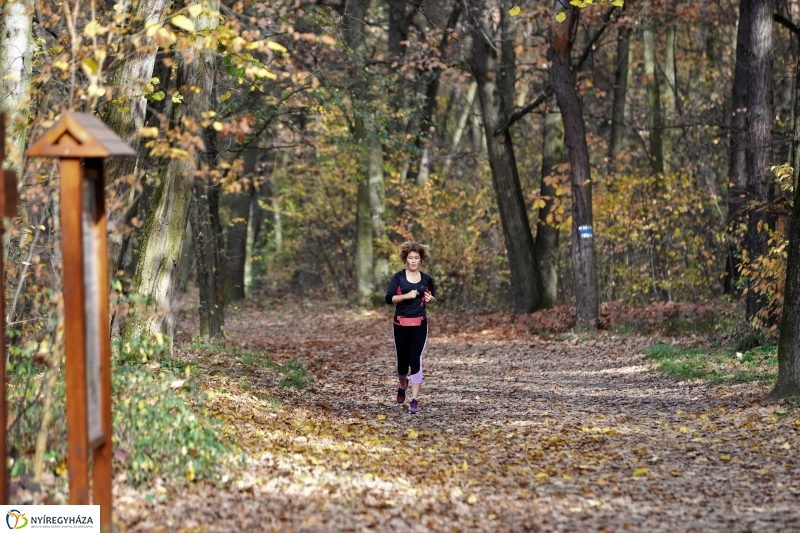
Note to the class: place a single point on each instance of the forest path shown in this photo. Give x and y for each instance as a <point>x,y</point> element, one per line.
<point>517,433</point>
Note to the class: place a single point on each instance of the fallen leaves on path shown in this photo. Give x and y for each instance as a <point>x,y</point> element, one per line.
<point>517,433</point>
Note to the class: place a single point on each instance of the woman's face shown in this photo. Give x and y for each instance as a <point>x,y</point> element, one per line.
<point>413,260</point>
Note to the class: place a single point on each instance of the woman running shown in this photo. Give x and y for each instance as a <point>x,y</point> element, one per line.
<point>410,290</point>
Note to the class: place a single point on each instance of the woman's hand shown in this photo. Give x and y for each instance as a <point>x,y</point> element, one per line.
<point>429,298</point>
<point>412,294</point>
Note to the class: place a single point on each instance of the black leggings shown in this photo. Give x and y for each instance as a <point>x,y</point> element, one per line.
<point>409,345</point>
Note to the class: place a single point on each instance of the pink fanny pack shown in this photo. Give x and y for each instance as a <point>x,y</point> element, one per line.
<point>410,320</point>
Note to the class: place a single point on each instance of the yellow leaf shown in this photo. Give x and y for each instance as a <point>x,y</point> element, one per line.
<point>225,96</point>
<point>684,429</point>
<point>183,22</point>
<point>472,500</point>
<point>151,28</point>
<point>561,16</point>
<point>412,434</point>
<point>218,126</point>
<point>514,11</point>
<point>195,10</point>
<point>640,472</point>
<point>90,65</point>
<point>329,40</point>
<point>492,516</point>
<point>786,446</point>
<point>94,28</point>
<point>542,475</point>
<point>272,45</point>
<point>177,98</point>
<point>618,3</point>
<point>148,132</point>
<point>381,416</point>
<point>726,457</point>
<point>464,466</point>
<point>154,80</point>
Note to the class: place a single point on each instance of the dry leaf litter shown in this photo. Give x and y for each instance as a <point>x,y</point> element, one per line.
<point>517,433</point>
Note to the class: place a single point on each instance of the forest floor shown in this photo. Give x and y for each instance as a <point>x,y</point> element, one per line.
<point>517,432</point>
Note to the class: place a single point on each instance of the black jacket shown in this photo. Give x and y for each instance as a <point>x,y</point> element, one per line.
<point>400,285</point>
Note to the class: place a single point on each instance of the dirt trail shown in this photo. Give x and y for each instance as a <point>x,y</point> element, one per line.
<point>517,433</point>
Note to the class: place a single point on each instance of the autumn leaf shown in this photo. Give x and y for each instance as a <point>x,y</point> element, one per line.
<point>195,10</point>
<point>514,11</point>
<point>639,472</point>
<point>183,22</point>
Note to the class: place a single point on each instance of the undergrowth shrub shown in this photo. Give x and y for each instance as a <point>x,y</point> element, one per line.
<point>162,427</point>
<point>161,423</point>
<point>657,237</point>
<point>766,274</point>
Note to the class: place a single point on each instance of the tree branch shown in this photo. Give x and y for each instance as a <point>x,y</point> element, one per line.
<point>786,23</point>
<point>519,113</point>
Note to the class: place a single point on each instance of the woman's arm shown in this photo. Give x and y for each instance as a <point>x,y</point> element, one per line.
<point>430,295</point>
<point>391,290</point>
<point>397,298</point>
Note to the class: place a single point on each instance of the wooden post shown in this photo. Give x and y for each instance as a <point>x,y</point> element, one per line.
<point>102,456</point>
<point>8,207</point>
<point>82,142</point>
<point>3,407</point>
<point>71,176</point>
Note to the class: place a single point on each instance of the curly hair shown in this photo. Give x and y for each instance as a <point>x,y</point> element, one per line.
<point>412,246</point>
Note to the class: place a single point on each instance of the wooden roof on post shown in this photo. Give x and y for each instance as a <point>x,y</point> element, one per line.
<point>78,135</point>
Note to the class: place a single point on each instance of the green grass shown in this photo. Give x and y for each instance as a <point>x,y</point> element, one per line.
<point>718,365</point>
<point>238,362</point>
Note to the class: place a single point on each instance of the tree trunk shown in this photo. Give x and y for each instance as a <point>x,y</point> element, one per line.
<point>670,94</point>
<point>546,231</point>
<point>619,119</point>
<point>201,229</point>
<point>126,118</point>
<point>16,65</point>
<point>157,270</point>
<point>376,209</point>
<point>355,37</point>
<point>462,124</point>
<point>737,167</point>
<point>656,122</point>
<point>575,137</point>
<point>758,154</point>
<point>399,22</point>
<point>252,231</point>
<point>788,383</point>
<point>431,83</point>
<point>495,76</point>
<point>279,171</point>
<point>217,248</point>
<point>477,138</point>
<point>233,285</point>
<point>364,245</point>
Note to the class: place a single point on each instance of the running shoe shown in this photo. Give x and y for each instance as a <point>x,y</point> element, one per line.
<point>414,407</point>
<point>401,394</point>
